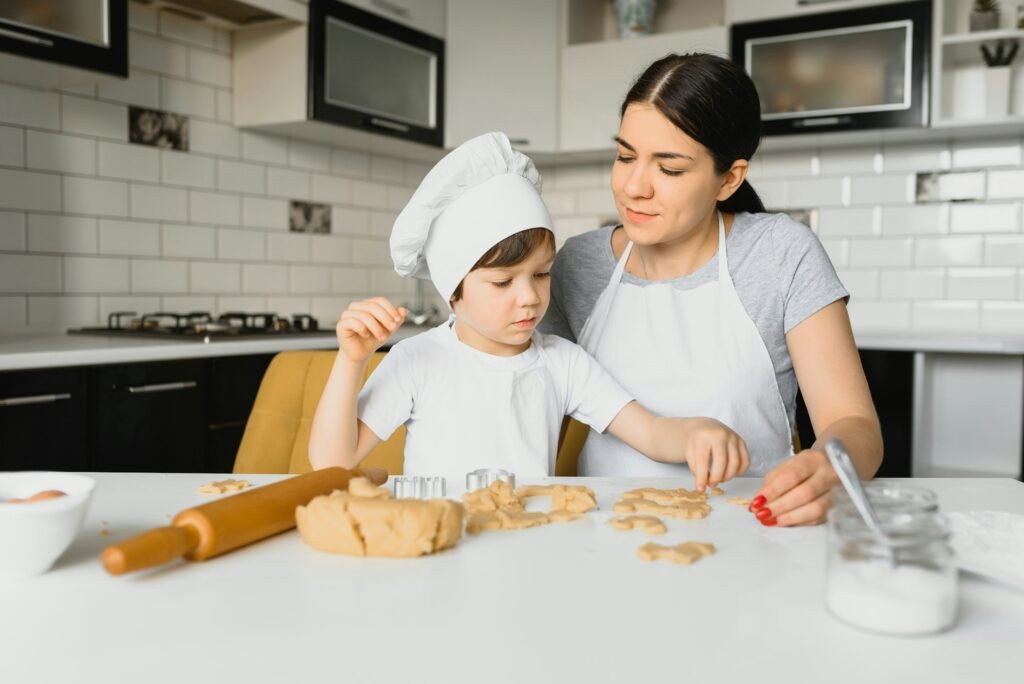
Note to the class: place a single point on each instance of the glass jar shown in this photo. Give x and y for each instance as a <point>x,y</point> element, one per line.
<point>891,496</point>
<point>906,585</point>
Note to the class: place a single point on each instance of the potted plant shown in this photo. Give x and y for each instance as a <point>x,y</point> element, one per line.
<point>635,17</point>
<point>997,76</point>
<point>985,15</point>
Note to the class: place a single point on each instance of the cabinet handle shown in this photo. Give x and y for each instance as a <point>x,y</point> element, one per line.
<point>391,7</point>
<point>27,37</point>
<point>159,387</point>
<point>384,123</point>
<point>35,399</point>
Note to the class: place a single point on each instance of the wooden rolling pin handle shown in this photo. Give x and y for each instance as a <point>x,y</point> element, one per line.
<point>377,476</point>
<point>149,549</point>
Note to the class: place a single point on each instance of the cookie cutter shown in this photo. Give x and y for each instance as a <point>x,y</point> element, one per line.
<point>417,487</point>
<point>484,477</point>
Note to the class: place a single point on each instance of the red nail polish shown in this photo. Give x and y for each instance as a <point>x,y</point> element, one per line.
<point>764,514</point>
<point>770,522</point>
<point>758,501</point>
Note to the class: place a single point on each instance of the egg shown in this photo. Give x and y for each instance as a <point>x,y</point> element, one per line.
<point>38,496</point>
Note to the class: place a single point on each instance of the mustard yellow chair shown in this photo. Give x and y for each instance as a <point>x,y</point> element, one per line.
<point>276,438</point>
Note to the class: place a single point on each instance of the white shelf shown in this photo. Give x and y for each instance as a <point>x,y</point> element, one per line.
<point>1016,121</point>
<point>982,36</point>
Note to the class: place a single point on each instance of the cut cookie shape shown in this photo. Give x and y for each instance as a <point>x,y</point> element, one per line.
<point>686,553</point>
<point>498,496</point>
<point>366,521</point>
<point>738,501</point>
<point>571,498</point>
<point>563,516</point>
<point>684,510</point>
<point>223,486</point>
<point>504,520</point>
<point>644,523</point>
<point>717,491</point>
<point>669,497</point>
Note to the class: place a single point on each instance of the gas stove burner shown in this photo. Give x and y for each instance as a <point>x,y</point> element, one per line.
<point>202,325</point>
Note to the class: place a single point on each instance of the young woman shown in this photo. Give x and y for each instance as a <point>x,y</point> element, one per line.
<point>485,390</point>
<point>700,303</point>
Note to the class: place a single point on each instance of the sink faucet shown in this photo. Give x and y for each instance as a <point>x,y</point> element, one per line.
<point>421,313</point>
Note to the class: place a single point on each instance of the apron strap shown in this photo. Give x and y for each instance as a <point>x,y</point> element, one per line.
<point>620,267</point>
<point>723,255</point>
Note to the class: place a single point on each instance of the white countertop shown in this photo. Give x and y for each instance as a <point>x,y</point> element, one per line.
<point>25,350</point>
<point>946,343</point>
<point>564,602</point>
<point>55,349</point>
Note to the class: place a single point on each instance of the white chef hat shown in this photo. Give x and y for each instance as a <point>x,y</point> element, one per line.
<point>480,193</point>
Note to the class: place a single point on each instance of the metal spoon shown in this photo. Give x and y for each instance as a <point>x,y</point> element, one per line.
<point>840,460</point>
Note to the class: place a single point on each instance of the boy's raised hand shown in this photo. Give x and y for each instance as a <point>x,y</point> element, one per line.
<point>367,324</point>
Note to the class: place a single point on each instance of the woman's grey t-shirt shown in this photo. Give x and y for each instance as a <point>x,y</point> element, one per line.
<point>778,266</point>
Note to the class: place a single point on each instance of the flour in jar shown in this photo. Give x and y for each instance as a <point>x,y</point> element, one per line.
<point>892,599</point>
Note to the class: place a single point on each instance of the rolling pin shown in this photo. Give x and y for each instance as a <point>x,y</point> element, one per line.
<point>220,526</point>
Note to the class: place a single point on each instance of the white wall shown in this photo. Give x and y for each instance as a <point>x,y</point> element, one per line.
<point>931,268</point>
<point>91,224</point>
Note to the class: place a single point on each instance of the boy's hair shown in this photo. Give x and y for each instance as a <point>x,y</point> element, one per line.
<point>511,251</point>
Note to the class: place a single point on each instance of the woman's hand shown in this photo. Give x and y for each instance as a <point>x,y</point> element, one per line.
<point>798,491</point>
<point>365,325</point>
<point>713,451</point>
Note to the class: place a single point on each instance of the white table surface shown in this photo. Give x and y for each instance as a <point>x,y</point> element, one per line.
<point>559,603</point>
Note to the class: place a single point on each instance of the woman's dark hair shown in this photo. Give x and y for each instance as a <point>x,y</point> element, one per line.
<point>511,251</point>
<point>712,100</point>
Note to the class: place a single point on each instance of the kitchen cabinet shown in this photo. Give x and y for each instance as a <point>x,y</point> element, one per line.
<point>737,11</point>
<point>44,420</point>
<point>595,77</point>
<point>148,417</point>
<point>423,15</point>
<point>502,71</point>
<point>57,44</point>
<point>232,384</point>
<point>944,412</point>
<point>890,376</point>
<point>349,78</point>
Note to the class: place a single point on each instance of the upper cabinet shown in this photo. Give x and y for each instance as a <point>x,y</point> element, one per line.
<point>737,11</point>
<point>349,77</point>
<point>49,43</point>
<point>502,71</point>
<point>423,15</point>
<point>598,67</point>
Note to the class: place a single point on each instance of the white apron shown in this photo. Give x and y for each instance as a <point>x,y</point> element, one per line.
<point>685,353</point>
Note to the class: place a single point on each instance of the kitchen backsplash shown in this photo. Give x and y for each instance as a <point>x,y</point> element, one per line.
<point>912,261</point>
<point>90,224</point>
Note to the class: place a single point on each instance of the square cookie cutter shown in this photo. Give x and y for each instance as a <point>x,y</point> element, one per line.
<point>417,487</point>
<point>484,477</point>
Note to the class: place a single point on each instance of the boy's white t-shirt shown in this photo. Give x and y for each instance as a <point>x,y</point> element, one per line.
<point>465,409</point>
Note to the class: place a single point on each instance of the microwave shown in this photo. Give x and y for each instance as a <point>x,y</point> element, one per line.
<point>368,72</point>
<point>77,39</point>
<point>857,69</point>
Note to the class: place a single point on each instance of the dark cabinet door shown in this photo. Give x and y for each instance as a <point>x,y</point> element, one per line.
<point>149,417</point>
<point>231,391</point>
<point>43,420</point>
<point>890,376</point>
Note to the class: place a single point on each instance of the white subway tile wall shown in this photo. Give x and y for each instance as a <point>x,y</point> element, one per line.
<point>91,224</point>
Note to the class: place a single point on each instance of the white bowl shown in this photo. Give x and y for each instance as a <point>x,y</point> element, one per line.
<point>34,535</point>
